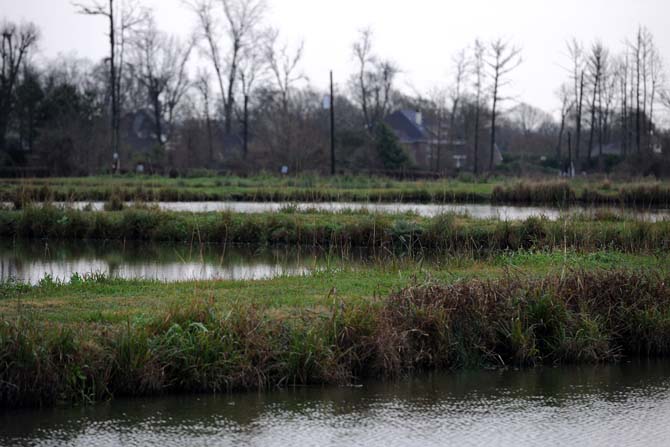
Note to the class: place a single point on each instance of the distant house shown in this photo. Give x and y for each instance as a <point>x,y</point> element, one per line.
<point>139,133</point>
<point>426,139</point>
<point>140,143</point>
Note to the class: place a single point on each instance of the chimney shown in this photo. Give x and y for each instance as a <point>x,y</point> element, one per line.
<point>419,118</point>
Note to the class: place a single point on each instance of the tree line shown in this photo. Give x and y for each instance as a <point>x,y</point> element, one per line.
<point>233,96</point>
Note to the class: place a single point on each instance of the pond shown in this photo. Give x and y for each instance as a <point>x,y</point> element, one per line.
<point>31,261</point>
<point>626,404</point>
<point>476,211</point>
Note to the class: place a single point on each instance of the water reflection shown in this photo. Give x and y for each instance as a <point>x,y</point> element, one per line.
<point>31,261</point>
<point>595,406</point>
<point>476,211</point>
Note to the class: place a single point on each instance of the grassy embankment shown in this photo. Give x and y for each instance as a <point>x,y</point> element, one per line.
<point>97,338</point>
<point>395,233</point>
<point>643,193</point>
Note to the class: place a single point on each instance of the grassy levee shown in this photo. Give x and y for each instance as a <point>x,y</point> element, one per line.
<point>405,232</point>
<point>196,343</point>
<point>254,189</point>
<point>643,193</point>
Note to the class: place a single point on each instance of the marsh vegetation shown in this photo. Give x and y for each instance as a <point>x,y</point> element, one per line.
<point>199,343</point>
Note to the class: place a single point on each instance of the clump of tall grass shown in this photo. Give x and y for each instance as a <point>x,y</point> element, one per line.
<point>558,193</point>
<point>289,208</point>
<point>604,215</point>
<point>642,195</point>
<point>44,365</point>
<point>115,203</point>
<point>25,195</point>
<point>517,321</point>
<point>606,185</point>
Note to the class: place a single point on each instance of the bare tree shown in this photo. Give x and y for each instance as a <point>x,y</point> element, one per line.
<point>639,50</point>
<point>609,97</point>
<point>17,42</point>
<point>657,77</point>
<point>253,68</point>
<point>623,69</point>
<point>647,46</point>
<point>565,97</point>
<point>382,81</point>
<point>503,59</point>
<point>664,97</point>
<point>438,99</point>
<point>209,32</point>
<point>632,103</point>
<point>479,74</point>
<point>461,64</point>
<point>202,84</point>
<point>363,54</point>
<point>576,53</point>
<point>284,64</point>
<point>236,24</point>
<point>242,19</point>
<point>598,60</point>
<point>373,83</point>
<point>120,22</point>
<point>160,63</point>
<point>528,118</point>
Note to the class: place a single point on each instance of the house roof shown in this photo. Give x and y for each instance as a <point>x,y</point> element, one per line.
<point>408,126</point>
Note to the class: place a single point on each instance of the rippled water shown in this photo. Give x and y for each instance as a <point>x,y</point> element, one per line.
<point>626,405</point>
<point>31,261</point>
<point>476,211</point>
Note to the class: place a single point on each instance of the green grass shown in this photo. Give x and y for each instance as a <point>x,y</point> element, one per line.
<point>106,301</point>
<point>307,188</point>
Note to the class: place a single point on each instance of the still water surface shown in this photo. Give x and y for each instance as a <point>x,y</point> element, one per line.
<point>31,261</point>
<point>627,405</point>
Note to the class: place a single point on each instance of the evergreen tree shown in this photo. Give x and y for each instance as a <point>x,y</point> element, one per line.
<point>391,153</point>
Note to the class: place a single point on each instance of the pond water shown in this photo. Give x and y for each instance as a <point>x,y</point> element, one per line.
<point>477,211</point>
<point>627,405</point>
<point>31,261</point>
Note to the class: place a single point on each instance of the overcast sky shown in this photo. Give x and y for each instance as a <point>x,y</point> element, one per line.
<point>419,35</point>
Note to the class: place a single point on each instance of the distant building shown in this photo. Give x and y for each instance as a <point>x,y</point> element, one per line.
<point>424,138</point>
<point>138,133</point>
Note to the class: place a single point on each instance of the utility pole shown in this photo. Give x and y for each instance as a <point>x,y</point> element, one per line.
<point>115,91</point>
<point>332,125</point>
<point>246,125</point>
<point>570,169</point>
